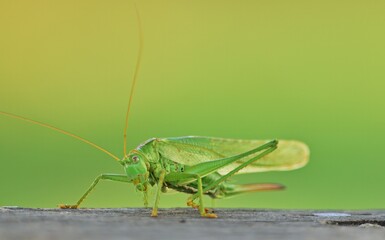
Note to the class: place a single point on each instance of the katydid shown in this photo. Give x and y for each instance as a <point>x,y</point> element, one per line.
<point>194,165</point>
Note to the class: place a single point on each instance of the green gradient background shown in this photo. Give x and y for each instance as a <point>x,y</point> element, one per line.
<point>308,70</point>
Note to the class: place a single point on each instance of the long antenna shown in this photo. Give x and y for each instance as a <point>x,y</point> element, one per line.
<point>61,131</point>
<point>134,79</point>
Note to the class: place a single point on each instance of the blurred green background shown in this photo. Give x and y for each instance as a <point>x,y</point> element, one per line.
<point>307,70</point>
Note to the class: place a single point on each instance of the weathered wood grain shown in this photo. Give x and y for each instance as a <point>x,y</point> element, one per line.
<point>185,223</point>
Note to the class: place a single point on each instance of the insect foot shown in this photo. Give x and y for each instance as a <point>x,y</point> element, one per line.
<point>66,206</point>
<point>210,215</point>
<point>196,206</point>
<point>209,210</point>
<point>190,203</point>
<point>154,214</point>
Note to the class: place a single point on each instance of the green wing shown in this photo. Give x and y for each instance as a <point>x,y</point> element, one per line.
<point>192,150</point>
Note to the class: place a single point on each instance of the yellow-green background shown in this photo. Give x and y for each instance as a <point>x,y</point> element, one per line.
<point>308,70</point>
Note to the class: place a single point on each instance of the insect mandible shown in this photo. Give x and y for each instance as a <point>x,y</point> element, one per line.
<point>194,165</point>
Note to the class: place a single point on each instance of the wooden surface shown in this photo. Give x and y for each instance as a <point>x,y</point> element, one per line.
<point>185,223</point>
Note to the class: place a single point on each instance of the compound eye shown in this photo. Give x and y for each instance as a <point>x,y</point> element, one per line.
<point>135,159</point>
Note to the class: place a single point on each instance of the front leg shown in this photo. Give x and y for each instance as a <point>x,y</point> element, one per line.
<point>112,177</point>
<point>160,185</point>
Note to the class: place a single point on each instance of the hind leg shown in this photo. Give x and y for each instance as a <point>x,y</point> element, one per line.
<point>232,172</point>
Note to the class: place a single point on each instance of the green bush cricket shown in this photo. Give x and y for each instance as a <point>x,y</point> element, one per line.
<point>194,165</point>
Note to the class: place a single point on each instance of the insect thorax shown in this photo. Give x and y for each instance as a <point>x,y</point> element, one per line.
<point>149,151</point>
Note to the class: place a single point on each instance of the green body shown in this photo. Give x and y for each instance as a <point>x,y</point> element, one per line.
<point>202,165</point>
<point>178,155</point>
